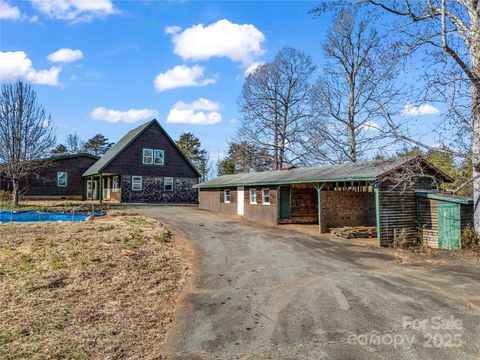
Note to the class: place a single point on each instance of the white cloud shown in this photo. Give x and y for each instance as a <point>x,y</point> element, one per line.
<point>171,30</point>
<point>199,112</point>
<point>16,65</point>
<point>9,12</point>
<point>242,43</point>
<point>65,55</point>
<point>252,68</point>
<point>370,126</point>
<point>129,116</point>
<point>182,76</point>
<point>75,10</point>
<point>425,109</point>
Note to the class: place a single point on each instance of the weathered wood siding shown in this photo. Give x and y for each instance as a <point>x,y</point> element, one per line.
<point>398,210</point>
<point>213,200</point>
<point>428,221</point>
<point>303,204</point>
<point>130,160</point>
<point>266,214</point>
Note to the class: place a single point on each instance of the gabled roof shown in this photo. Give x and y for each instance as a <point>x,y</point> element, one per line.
<point>123,143</point>
<point>362,171</point>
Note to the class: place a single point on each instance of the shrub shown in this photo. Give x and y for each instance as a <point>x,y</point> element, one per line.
<point>469,238</point>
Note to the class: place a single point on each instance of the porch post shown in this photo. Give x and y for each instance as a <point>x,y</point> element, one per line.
<point>377,212</point>
<point>91,188</point>
<point>319,187</point>
<point>101,188</point>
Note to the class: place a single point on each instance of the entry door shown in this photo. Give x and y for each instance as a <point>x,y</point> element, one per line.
<point>92,189</point>
<point>240,200</point>
<point>448,226</point>
<point>284,212</point>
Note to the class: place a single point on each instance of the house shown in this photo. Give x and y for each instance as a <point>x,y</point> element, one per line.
<point>59,178</point>
<point>379,193</point>
<point>442,218</point>
<point>145,166</point>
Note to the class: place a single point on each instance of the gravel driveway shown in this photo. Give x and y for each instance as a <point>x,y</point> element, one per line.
<point>267,293</point>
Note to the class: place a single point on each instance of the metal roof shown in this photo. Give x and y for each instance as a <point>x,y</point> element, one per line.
<point>445,197</point>
<point>362,171</point>
<point>122,144</point>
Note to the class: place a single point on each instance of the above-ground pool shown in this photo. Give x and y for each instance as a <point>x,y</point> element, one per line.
<point>7,216</point>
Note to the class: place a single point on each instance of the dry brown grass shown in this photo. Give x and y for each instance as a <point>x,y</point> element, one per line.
<point>94,289</point>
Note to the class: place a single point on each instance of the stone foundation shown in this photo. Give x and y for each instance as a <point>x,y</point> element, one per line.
<point>152,192</point>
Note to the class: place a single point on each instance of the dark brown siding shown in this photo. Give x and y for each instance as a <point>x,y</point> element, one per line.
<point>398,210</point>
<point>130,160</point>
<point>43,183</point>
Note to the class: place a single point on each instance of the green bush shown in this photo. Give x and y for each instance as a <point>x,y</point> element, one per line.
<point>469,238</point>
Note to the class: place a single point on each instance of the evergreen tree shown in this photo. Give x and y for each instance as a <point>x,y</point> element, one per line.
<point>97,145</point>
<point>191,147</point>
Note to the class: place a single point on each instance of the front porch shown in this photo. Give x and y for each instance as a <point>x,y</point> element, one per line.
<point>103,187</point>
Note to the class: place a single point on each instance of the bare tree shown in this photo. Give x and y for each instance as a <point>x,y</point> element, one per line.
<point>26,134</point>
<point>73,143</point>
<point>274,103</point>
<point>449,31</point>
<point>357,71</point>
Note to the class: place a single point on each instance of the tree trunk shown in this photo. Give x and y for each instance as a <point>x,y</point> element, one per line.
<point>475,63</point>
<point>15,193</point>
<point>352,141</point>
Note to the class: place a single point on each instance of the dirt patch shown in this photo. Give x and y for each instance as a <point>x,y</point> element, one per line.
<point>94,289</point>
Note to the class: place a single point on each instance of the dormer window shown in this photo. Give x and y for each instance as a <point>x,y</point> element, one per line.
<point>153,157</point>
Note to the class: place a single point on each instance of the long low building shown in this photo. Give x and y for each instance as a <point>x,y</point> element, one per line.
<point>379,193</point>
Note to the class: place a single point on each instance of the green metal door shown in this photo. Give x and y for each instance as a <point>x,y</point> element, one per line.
<point>284,203</point>
<point>448,225</point>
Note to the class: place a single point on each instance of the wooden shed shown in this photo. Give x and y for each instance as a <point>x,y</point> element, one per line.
<point>442,218</point>
<point>332,196</point>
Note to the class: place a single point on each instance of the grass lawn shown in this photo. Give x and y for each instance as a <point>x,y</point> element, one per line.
<point>94,289</point>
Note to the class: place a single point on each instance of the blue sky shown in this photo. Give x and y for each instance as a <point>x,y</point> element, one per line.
<point>113,52</point>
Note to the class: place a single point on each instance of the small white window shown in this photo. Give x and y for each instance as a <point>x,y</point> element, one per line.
<point>226,196</point>
<point>115,183</point>
<point>137,183</point>
<point>266,196</point>
<point>158,157</point>
<point>148,156</point>
<point>61,178</point>
<point>168,184</point>
<point>253,196</point>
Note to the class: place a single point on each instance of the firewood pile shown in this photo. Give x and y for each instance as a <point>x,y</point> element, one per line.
<point>355,232</point>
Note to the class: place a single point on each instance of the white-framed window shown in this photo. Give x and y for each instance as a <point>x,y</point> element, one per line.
<point>253,196</point>
<point>226,196</point>
<point>266,196</point>
<point>158,157</point>
<point>61,178</point>
<point>168,184</point>
<point>137,183</point>
<point>115,183</point>
<point>153,157</point>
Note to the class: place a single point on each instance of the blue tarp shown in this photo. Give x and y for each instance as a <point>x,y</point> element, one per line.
<point>7,216</point>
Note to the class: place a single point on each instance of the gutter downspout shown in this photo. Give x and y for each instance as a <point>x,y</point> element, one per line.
<point>319,188</point>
